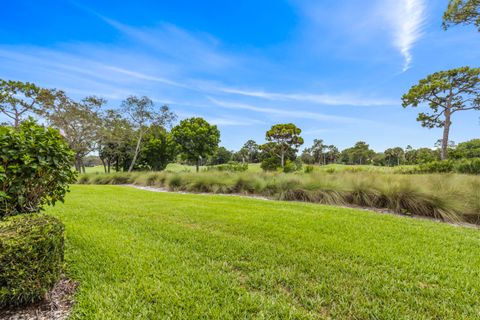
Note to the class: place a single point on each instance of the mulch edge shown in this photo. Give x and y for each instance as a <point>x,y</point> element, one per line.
<point>57,304</point>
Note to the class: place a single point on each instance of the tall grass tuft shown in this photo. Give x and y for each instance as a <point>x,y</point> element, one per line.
<point>450,197</point>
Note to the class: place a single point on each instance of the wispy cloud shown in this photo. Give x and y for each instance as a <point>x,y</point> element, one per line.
<point>407,19</point>
<point>143,76</point>
<point>198,50</point>
<point>323,99</point>
<point>312,132</point>
<point>224,121</point>
<point>298,114</point>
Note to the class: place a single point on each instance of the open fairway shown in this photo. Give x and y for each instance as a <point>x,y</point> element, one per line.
<point>146,255</point>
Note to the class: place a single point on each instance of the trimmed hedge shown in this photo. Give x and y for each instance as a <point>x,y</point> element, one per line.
<point>31,257</point>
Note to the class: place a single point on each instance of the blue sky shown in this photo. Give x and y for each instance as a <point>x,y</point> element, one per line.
<point>337,69</point>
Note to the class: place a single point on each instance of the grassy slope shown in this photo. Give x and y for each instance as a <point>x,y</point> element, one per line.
<point>145,255</point>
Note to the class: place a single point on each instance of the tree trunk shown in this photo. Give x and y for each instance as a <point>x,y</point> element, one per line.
<point>78,165</point>
<point>446,133</point>
<point>17,118</point>
<point>104,166</point>
<point>137,150</point>
<point>197,165</point>
<point>282,159</point>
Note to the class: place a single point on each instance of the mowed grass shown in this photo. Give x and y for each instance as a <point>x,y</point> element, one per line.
<point>146,255</point>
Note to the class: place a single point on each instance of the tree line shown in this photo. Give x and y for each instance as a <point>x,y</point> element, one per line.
<point>320,153</point>
<point>140,134</point>
<point>134,136</point>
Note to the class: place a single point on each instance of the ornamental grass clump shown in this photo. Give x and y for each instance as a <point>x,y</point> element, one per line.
<point>447,196</point>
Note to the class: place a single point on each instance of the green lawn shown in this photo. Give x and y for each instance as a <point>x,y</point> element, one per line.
<point>146,255</point>
<point>96,169</point>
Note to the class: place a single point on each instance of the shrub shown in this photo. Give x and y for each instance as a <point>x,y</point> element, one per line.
<point>175,182</point>
<point>35,168</point>
<point>84,179</point>
<point>444,166</point>
<point>270,164</point>
<point>331,170</point>
<point>289,166</point>
<point>469,166</point>
<point>230,167</point>
<point>31,257</point>
<point>309,169</point>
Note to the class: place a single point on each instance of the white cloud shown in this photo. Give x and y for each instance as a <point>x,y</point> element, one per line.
<point>298,114</point>
<point>407,20</point>
<point>143,76</point>
<point>324,99</point>
<point>196,50</point>
<point>223,121</point>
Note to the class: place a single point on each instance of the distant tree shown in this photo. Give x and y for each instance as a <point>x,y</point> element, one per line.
<point>250,149</point>
<point>446,93</point>
<point>196,139</point>
<point>285,137</point>
<point>462,12</point>
<point>20,99</point>
<point>158,149</point>
<point>270,161</point>
<point>220,156</point>
<point>142,113</point>
<point>92,161</point>
<point>360,153</point>
<point>467,149</point>
<point>241,155</point>
<point>78,121</point>
<point>318,151</point>
<point>450,146</point>
<point>331,154</point>
<point>425,155</point>
<point>307,156</point>
<point>379,159</point>
<point>410,155</point>
<point>115,140</point>
<point>394,156</point>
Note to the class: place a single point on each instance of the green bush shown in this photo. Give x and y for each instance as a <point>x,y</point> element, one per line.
<point>445,166</point>
<point>469,166</point>
<point>466,166</point>
<point>229,167</point>
<point>309,169</point>
<point>270,164</point>
<point>289,166</point>
<point>31,257</point>
<point>35,168</point>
